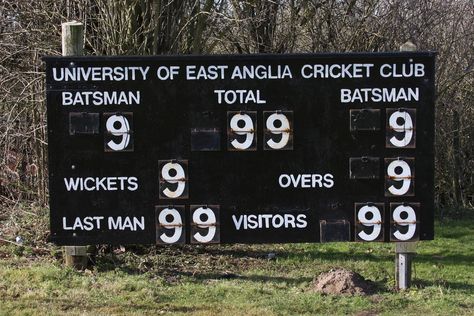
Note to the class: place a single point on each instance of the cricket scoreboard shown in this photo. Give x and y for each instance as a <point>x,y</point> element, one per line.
<point>241,148</point>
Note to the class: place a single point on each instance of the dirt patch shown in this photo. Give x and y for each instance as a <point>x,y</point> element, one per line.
<point>342,281</point>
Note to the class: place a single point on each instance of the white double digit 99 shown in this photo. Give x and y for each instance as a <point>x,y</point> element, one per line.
<point>209,224</point>
<point>401,122</point>
<point>173,182</point>
<point>118,125</point>
<point>399,171</point>
<point>369,221</point>
<point>242,124</point>
<point>408,221</point>
<point>175,224</point>
<point>374,221</point>
<point>283,129</point>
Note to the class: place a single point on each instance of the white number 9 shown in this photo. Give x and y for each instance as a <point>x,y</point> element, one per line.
<point>409,220</point>
<point>179,178</point>
<point>406,127</point>
<point>123,131</point>
<point>176,223</point>
<point>247,130</point>
<point>404,176</point>
<point>209,223</point>
<point>283,130</point>
<point>375,222</point>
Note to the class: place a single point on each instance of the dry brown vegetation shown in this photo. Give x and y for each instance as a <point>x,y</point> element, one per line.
<point>31,29</point>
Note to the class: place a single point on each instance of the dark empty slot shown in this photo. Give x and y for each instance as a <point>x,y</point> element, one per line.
<point>365,120</point>
<point>364,168</point>
<point>205,139</point>
<point>83,123</point>
<point>337,230</point>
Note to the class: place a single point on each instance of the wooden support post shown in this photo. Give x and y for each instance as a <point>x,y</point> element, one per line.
<point>404,251</point>
<point>73,45</point>
<point>72,38</point>
<point>408,47</point>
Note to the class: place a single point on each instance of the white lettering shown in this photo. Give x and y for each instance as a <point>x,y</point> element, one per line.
<point>269,221</point>
<point>101,184</point>
<point>87,223</point>
<point>237,222</point>
<point>240,96</point>
<point>278,221</point>
<point>126,223</point>
<point>301,219</point>
<point>212,72</point>
<point>72,184</point>
<point>101,98</point>
<point>252,221</point>
<point>322,71</point>
<point>405,70</point>
<point>379,95</point>
<point>328,180</point>
<point>284,181</point>
<point>261,72</point>
<point>100,73</point>
<point>306,180</point>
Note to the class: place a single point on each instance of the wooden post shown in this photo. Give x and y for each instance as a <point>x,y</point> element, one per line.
<point>404,251</point>
<point>73,45</point>
<point>72,38</point>
<point>408,47</point>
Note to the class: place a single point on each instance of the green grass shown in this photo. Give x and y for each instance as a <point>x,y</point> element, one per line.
<point>240,280</point>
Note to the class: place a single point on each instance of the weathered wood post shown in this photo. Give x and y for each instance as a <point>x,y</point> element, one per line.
<point>404,251</point>
<point>73,45</point>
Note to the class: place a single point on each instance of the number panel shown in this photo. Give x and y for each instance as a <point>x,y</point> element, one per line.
<point>369,221</point>
<point>278,130</point>
<point>205,230</point>
<point>173,178</point>
<point>401,134</point>
<point>241,130</point>
<point>118,132</point>
<point>407,229</point>
<point>399,176</point>
<point>170,228</point>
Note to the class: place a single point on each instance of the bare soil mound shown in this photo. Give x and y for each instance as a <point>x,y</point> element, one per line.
<point>342,281</point>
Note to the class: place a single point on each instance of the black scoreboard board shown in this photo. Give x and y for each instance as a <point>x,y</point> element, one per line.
<point>241,149</point>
